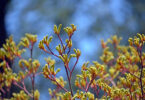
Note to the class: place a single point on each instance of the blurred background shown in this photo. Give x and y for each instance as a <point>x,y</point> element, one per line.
<point>95,20</point>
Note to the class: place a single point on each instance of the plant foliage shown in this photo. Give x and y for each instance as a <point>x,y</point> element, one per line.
<point>120,75</point>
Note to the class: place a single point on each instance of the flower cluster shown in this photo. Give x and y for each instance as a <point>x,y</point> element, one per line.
<point>119,76</point>
<point>29,68</point>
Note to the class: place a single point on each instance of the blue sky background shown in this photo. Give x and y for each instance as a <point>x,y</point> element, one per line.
<point>28,16</point>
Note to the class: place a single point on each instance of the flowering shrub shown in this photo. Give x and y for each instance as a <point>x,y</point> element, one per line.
<point>120,76</point>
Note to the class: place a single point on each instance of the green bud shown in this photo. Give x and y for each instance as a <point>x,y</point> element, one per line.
<point>36,95</point>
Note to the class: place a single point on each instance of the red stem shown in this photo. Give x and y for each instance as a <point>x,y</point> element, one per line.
<point>141,71</point>
<point>68,41</point>
<point>33,74</point>
<point>3,90</point>
<point>61,42</point>
<point>69,81</point>
<point>23,88</point>
<point>53,79</point>
<point>74,67</point>
<point>88,86</point>
<point>61,86</point>
<point>130,92</point>
<point>50,51</point>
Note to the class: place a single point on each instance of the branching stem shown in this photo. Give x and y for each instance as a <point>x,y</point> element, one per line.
<point>69,81</point>
<point>61,42</point>
<point>73,67</point>
<point>33,74</point>
<point>88,86</point>
<point>141,70</point>
<point>23,88</point>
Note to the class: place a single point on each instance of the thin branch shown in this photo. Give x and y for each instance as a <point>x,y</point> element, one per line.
<point>130,92</point>
<point>61,42</point>
<point>50,52</point>
<point>2,90</point>
<point>33,74</point>
<point>113,83</point>
<point>141,70</point>
<point>23,88</point>
<point>69,81</point>
<point>69,51</point>
<point>61,86</point>
<point>38,73</point>
<point>88,86</point>
<point>54,79</point>
<point>68,41</point>
<point>134,75</point>
<point>68,68</point>
<point>73,67</point>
